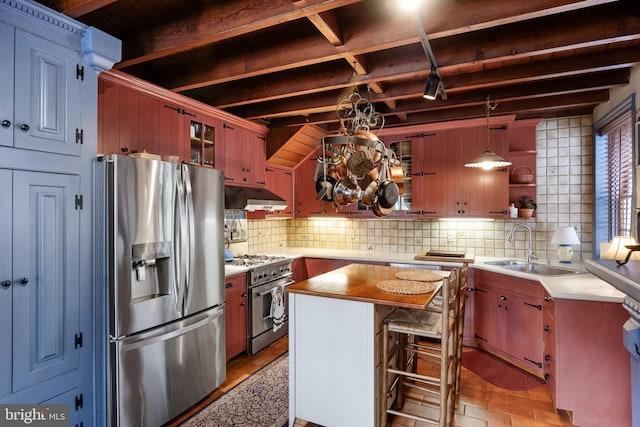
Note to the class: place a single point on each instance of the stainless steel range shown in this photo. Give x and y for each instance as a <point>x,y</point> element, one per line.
<point>266,273</point>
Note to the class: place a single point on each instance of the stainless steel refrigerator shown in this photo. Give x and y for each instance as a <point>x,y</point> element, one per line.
<point>164,249</point>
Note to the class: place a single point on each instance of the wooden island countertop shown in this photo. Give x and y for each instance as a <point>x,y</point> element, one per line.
<point>357,282</point>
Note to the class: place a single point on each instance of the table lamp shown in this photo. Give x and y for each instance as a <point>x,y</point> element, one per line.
<point>565,237</point>
<point>617,250</point>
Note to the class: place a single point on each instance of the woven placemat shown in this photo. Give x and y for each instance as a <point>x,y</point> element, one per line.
<point>419,275</point>
<point>410,287</point>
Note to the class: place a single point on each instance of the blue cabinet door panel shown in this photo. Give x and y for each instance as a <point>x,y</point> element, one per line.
<point>46,276</point>
<point>5,276</point>
<point>48,112</point>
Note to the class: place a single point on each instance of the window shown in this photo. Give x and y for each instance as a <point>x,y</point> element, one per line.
<point>614,170</point>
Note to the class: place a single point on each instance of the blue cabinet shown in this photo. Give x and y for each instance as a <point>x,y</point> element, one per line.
<point>40,284</point>
<point>41,106</point>
<point>48,143</point>
<point>45,286</point>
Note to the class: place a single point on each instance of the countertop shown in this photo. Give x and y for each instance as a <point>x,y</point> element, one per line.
<point>580,286</point>
<point>357,282</point>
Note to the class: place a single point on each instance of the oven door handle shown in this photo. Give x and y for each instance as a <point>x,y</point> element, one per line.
<point>287,283</point>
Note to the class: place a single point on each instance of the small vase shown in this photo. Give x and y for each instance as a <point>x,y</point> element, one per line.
<point>525,213</point>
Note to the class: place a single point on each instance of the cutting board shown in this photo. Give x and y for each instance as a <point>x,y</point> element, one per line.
<point>444,256</point>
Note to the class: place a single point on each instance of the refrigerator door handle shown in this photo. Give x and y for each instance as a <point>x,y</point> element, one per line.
<point>191,237</point>
<point>178,244</point>
<point>170,331</point>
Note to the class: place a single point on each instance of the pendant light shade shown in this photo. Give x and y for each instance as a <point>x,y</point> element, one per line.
<point>488,160</point>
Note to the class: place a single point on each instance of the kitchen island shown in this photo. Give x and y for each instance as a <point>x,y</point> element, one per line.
<point>335,330</point>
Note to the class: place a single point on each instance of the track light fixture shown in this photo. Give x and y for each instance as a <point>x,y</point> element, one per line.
<point>433,85</point>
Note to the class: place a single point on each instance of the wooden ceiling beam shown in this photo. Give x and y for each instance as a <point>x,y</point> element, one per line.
<point>329,26</point>
<point>542,103</point>
<point>78,8</point>
<point>231,19</point>
<point>221,21</point>
<point>518,74</point>
<point>330,77</point>
<point>606,26</point>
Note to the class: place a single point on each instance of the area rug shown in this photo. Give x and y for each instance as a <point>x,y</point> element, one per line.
<point>498,372</point>
<point>262,400</point>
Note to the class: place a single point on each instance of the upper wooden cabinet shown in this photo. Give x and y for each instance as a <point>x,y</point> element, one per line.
<point>280,182</point>
<point>245,156</point>
<point>437,184</point>
<point>136,116</point>
<point>41,104</point>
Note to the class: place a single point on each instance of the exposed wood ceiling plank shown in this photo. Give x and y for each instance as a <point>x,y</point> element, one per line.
<point>78,8</point>
<point>518,74</point>
<point>254,92</point>
<point>222,20</point>
<point>288,62</point>
<point>607,26</point>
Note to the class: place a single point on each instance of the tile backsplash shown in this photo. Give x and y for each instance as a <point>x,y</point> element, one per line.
<point>563,194</point>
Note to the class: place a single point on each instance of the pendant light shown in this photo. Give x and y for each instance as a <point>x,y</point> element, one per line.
<point>488,160</point>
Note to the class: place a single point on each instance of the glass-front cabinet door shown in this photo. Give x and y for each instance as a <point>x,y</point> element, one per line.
<point>203,142</point>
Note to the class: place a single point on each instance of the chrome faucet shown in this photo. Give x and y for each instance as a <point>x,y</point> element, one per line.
<point>530,256</point>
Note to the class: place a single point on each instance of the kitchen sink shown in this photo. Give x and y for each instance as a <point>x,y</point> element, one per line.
<point>540,269</point>
<point>543,270</point>
<point>505,262</point>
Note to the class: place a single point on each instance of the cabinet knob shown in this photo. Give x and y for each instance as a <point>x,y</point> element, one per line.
<point>547,377</point>
<point>124,149</point>
<point>242,303</point>
<point>547,298</point>
<point>24,127</point>
<point>5,283</point>
<point>244,295</point>
<point>503,298</point>
<point>23,280</point>
<point>547,328</point>
<point>547,358</point>
<point>6,123</point>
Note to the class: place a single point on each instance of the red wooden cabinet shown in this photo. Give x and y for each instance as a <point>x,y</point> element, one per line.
<point>508,318</point>
<point>236,315</point>
<point>586,367</point>
<point>306,204</point>
<point>245,156</point>
<point>205,147</point>
<point>280,181</point>
<point>440,184</point>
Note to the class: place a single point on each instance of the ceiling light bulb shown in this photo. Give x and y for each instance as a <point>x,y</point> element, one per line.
<point>408,5</point>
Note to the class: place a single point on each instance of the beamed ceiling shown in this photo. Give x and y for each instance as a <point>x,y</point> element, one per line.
<point>287,63</point>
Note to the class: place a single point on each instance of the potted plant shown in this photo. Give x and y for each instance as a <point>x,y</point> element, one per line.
<point>526,205</point>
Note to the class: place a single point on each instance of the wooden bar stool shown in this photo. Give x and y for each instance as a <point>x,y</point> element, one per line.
<point>438,329</point>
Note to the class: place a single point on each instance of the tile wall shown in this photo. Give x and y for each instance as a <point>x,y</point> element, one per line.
<point>564,197</point>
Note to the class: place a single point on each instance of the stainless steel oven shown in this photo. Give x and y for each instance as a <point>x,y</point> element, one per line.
<point>266,273</point>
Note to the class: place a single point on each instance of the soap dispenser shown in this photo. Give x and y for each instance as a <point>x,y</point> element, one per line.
<point>513,211</point>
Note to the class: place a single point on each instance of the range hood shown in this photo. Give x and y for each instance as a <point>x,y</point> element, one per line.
<point>252,199</point>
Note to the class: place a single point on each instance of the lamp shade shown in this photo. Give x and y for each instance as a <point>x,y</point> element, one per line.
<point>488,160</point>
<point>565,236</point>
<point>617,250</point>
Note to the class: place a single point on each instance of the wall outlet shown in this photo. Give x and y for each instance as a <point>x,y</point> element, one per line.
<point>451,237</point>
